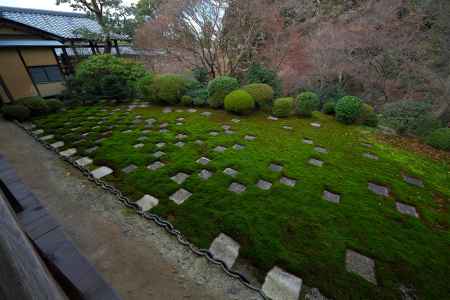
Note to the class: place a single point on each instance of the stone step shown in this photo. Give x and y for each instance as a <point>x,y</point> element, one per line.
<point>281,285</point>
<point>226,249</point>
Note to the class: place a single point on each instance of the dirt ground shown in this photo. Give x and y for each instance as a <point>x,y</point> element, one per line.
<point>139,259</point>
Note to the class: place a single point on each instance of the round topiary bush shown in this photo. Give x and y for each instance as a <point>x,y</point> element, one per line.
<point>186,100</point>
<point>439,139</point>
<point>329,107</point>
<point>54,105</point>
<point>219,88</point>
<point>16,112</point>
<point>307,102</point>
<point>239,102</point>
<point>348,109</point>
<point>35,104</point>
<point>145,87</point>
<point>169,88</point>
<point>282,107</point>
<point>262,94</point>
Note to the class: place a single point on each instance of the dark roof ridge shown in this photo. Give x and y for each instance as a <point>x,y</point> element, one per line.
<point>41,12</point>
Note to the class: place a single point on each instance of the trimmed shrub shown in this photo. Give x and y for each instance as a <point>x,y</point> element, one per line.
<point>239,102</point>
<point>348,109</point>
<point>307,102</point>
<point>371,120</point>
<point>329,107</point>
<point>259,74</point>
<point>17,112</point>
<point>186,100</point>
<point>145,87</point>
<point>439,139</point>
<point>199,96</point>
<point>201,75</point>
<point>54,105</point>
<point>262,94</point>
<point>36,105</point>
<point>100,76</point>
<point>409,117</point>
<point>282,107</point>
<point>169,88</point>
<point>219,88</point>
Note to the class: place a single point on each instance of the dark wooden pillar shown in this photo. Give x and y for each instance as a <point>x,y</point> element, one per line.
<point>117,48</point>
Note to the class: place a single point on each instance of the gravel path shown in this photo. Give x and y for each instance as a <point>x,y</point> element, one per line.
<point>139,259</point>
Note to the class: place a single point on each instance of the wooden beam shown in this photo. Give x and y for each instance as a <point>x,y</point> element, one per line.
<point>117,48</point>
<point>22,274</point>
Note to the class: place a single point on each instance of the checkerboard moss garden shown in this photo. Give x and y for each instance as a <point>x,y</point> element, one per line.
<point>331,204</point>
<point>293,227</point>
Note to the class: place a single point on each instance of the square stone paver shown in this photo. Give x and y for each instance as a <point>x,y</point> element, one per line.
<point>226,127</point>
<point>57,145</point>
<point>220,149</point>
<point>206,113</point>
<point>84,161</point>
<point>287,127</point>
<point>69,152</point>
<point>225,249</point>
<point>180,177</point>
<point>361,265</point>
<point>164,130</point>
<point>180,144</point>
<point>413,181</point>
<point>272,118</point>
<point>158,154</point>
<point>181,136</point>
<point>127,131</point>
<point>321,150</point>
<point>315,162</point>
<point>331,197</point>
<point>378,189</point>
<point>229,132</point>
<point>47,137</point>
<point>191,110</point>
<point>406,209</point>
<point>203,161</point>
<point>101,172</point>
<point>308,141</point>
<point>237,188</point>
<point>99,141</point>
<point>264,185</point>
<point>142,139</point>
<point>38,132</point>
<point>150,121</point>
<point>129,169</point>
<point>180,196</point>
<point>214,133</point>
<point>155,166</point>
<point>238,147</point>
<point>167,110</point>
<point>147,202</point>
<point>250,137</point>
<point>164,125</point>
<point>230,172</point>
<point>91,150</point>
<point>199,142</point>
<point>367,145</point>
<point>288,181</point>
<point>161,145</point>
<point>180,119</point>
<point>235,120</point>
<point>370,156</point>
<point>280,285</point>
<point>275,168</point>
<point>315,125</point>
<point>137,146</point>
<point>205,174</point>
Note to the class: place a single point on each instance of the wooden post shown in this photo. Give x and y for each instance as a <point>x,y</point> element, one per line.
<point>117,48</point>
<point>22,274</point>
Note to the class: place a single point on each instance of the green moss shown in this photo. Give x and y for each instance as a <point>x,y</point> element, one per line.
<point>293,228</point>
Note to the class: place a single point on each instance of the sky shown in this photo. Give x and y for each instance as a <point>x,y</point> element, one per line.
<point>44,4</point>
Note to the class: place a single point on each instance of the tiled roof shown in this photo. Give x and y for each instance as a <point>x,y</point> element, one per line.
<point>62,24</point>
